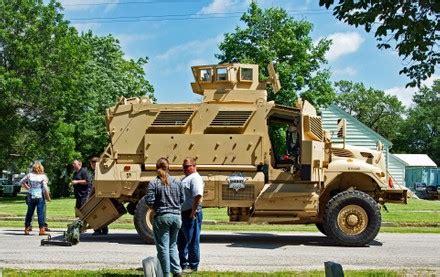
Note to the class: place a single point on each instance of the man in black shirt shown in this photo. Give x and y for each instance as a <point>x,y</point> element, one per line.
<point>80,183</point>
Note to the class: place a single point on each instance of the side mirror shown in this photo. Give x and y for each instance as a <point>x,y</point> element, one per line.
<point>341,129</point>
<point>379,146</point>
<point>274,79</point>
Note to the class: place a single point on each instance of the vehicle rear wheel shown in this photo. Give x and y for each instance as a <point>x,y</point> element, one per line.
<point>352,218</point>
<point>321,229</point>
<point>143,221</point>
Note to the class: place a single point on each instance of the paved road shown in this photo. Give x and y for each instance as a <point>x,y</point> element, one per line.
<point>226,251</point>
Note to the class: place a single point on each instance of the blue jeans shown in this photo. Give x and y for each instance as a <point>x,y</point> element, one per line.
<point>165,229</point>
<point>32,204</point>
<point>189,240</point>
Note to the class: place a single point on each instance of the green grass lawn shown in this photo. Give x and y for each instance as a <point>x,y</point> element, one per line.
<point>61,211</point>
<point>416,211</point>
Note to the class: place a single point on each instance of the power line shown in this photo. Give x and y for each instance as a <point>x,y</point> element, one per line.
<point>170,17</point>
<point>130,3</point>
<point>153,16</point>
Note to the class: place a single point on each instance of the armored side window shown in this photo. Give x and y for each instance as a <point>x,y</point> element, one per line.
<point>174,119</point>
<point>205,75</point>
<point>246,74</point>
<point>231,122</point>
<point>221,74</point>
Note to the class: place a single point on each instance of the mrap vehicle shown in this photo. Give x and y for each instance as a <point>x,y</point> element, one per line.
<point>265,162</point>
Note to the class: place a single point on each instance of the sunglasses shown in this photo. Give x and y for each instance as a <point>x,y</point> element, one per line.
<point>187,165</point>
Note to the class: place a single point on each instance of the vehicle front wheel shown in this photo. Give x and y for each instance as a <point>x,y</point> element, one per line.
<point>143,221</point>
<point>352,218</point>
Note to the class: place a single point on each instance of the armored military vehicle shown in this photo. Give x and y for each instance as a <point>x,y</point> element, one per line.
<point>263,161</point>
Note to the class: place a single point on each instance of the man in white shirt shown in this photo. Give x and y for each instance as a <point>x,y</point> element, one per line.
<point>189,235</point>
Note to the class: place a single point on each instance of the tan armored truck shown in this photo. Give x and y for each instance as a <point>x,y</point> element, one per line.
<point>265,162</point>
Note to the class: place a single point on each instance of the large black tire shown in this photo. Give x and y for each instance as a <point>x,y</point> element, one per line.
<point>321,228</point>
<point>143,221</point>
<point>352,218</point>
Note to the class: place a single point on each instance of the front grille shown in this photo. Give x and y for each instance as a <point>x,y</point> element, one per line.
<point>313,126</point>
<point>248,193</point>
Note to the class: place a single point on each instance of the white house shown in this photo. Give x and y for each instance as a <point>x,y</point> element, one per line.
<point>404,168</point>
<point>357,133</point>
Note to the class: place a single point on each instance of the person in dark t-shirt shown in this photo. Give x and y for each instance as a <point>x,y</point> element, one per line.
<point>81,183</point>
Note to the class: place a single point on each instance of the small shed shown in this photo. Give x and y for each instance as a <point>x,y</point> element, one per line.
<point>357,133</point>
<point>418,168</point>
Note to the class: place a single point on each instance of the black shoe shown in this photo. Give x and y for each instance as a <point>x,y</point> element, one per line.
<point>104,230</point>
<point>189,270</point>
<point>96,233</point>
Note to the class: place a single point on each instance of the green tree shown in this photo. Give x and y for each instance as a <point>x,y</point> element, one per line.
<point>379,111</point>
<point>414,27</point>
<point>272,35</point>
<point>55,85</point>
<point>420,133</point>
<point>106,77</point>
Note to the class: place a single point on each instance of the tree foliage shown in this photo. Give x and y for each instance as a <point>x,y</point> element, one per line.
<point>414,26</point>
<point>379,111</point>
<point>55,85</point>
<point>273,36</point>
<point>420,133</point>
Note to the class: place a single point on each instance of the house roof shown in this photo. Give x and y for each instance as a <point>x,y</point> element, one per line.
<point>415,159</point>
<point>360,125</point>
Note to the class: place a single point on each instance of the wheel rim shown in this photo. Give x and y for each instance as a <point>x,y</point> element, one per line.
<point>352,220</point>
<point>149,219</point>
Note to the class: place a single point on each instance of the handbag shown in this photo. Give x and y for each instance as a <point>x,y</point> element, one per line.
<point>36,193</point>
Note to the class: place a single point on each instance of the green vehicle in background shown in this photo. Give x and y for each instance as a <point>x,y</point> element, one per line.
<point>9,183</point>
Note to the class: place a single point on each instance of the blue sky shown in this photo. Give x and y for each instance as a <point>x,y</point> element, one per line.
<point>176,34</point>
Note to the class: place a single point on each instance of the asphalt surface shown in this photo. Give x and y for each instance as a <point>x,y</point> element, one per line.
<point>223,251</point>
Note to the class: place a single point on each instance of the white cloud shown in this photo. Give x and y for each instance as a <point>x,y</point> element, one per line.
<point>125,39</point>
<point>196,61</point>
<point>79,5</point>
<point>405,95</point>
<point>347,71</point>
<point>85,27</point>
<point>222,6</point>
<point>192,48</point>
<point>178,59</point>
<point>343,44</point>
<point>430,81</point>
